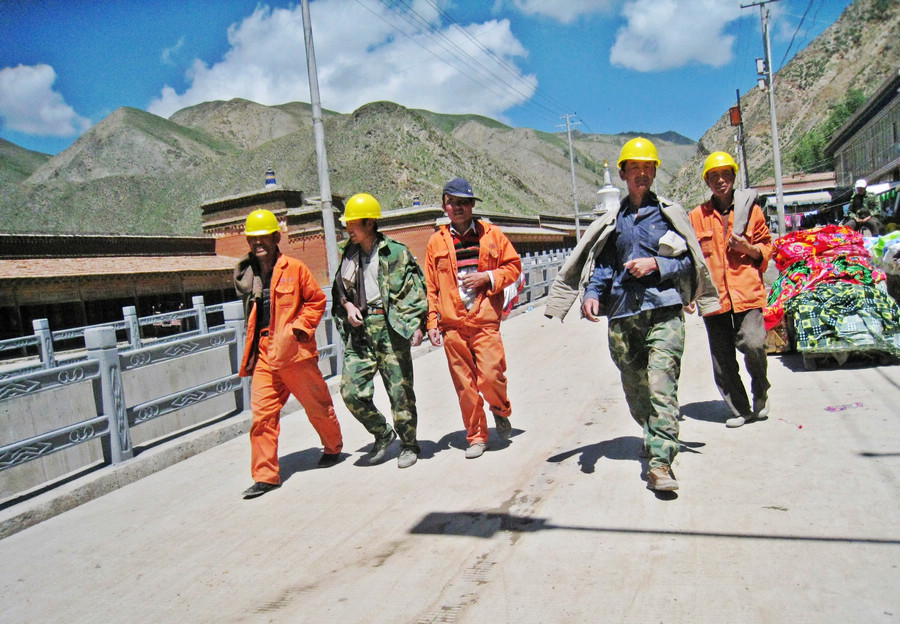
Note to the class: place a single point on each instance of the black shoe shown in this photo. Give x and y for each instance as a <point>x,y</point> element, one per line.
<point>380,448</point>
<point>259,488</point>
<point>329,459</point>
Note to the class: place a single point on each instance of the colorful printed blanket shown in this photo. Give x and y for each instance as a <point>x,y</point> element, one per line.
<point>845,316</point>
<point>809,258</point>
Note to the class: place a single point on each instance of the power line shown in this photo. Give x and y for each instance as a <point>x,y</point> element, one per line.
<point>513,71</point>
<point>424,24</point>
<point>458,58</point>
<point>487,85</point>
<point>799,26</point>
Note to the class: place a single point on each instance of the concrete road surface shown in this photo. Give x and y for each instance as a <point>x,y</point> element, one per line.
<point>790,520</point>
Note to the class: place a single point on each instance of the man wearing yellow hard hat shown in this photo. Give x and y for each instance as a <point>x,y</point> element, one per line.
<point>379,305</point>
<point>283,305</point>
<point>737,246</point>
<point>638,265</point>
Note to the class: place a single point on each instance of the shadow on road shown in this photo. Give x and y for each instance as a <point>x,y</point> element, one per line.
<point>625,447</point>
<point>622,448</point>
<point>301,461</point>
<point>707,411</point>
<point>486,525</point>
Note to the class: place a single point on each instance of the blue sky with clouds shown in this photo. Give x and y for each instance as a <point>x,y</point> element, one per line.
<point>617,65</point>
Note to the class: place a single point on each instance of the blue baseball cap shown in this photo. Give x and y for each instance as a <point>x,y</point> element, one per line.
<point>460,187</point>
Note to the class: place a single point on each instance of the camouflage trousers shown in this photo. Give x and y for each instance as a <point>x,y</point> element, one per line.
<point>376,348</point>
<point>647,350</point>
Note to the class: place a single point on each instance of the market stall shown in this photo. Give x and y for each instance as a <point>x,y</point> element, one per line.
<point>831,298</point>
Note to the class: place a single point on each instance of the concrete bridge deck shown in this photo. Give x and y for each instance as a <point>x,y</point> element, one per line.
<point>792,519</point>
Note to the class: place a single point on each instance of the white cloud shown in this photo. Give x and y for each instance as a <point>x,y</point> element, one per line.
<point>28,103</point>
<point>565,11</point>
<point>365,52</point>
<point>666,34</point>
<point>168,54</point>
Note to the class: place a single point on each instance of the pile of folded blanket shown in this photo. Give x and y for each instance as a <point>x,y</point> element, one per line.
<point>835,297</point>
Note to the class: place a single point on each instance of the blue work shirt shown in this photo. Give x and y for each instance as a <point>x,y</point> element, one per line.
<point>637,236</point>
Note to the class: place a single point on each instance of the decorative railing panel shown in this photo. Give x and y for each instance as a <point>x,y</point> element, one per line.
<point>103,360</point>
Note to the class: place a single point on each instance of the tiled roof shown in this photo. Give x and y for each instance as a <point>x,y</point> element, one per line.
<point>38,268</point>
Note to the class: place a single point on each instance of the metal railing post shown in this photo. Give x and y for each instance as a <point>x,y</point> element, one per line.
<point>200,307</point>
<point>234,320</point>
<point>42,331</point>
<point>132,326</point>
<point>101,346</point>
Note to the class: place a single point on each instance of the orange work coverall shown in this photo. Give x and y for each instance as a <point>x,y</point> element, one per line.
<point>471,337</point>
<point>281,365</point>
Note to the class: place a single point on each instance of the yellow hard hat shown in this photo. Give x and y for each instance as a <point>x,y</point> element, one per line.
<point>719,159</point>
<point>361,206</point>
<point>639,148</point>
<point>261,222</point>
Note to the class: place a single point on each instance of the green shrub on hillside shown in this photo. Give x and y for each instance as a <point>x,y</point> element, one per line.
<point>809,154</point>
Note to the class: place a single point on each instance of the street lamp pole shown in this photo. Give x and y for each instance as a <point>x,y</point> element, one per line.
<point>321,156</point>
<point>574,188</point>
<point>773,119</point>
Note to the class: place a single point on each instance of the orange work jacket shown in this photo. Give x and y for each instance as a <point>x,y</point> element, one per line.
<point>445,307</point>
<point>737,276</point>
<point>297,302</point>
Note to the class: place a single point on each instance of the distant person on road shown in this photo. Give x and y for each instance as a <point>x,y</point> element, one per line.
<point>737,246</point>
<point>639,264</point>
<point>283,305</point>
<point>469,265</point>
<point>379,305</point>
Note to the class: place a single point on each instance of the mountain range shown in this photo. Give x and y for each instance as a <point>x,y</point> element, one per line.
<point>137,173</point>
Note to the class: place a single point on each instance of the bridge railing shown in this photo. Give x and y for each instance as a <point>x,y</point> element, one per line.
<point>103,391</point>
<point>540,270</point>
<point>102,395</point>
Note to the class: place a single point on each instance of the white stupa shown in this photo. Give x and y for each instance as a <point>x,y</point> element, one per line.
<point>609,194</point>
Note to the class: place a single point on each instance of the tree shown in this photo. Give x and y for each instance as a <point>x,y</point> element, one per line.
<point>809,154</point>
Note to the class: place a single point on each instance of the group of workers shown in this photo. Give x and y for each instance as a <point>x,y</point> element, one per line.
<point>383,305</point>
<point>642,265</point>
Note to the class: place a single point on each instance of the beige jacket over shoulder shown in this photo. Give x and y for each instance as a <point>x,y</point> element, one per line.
<point>575,273</point>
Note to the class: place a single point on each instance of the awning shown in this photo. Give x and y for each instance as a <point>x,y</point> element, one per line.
<point>881,187</point>
<point>801,199</point>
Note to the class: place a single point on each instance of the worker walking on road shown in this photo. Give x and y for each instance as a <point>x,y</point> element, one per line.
<point>737,246</point>
<point>469,265</point>
<point>638,265</point>
<point>283,305</point>
<point>379,305</point>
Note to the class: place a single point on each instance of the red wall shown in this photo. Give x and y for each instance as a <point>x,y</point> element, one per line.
<point>311,249</point>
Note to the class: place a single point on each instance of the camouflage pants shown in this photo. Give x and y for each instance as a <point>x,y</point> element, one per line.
<point>647,349</point>
<point>380,349</point>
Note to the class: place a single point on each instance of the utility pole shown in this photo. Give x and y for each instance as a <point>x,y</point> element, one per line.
<point>572,165</point>
<point>737,119</point>
<point>773,120</point>
<point>322,158</point>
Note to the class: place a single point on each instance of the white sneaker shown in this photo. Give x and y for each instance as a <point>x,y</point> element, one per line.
<point>407,458</point>
<point>476,449</point>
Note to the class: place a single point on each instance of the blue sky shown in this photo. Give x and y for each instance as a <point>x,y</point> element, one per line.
<point>617,65</point>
